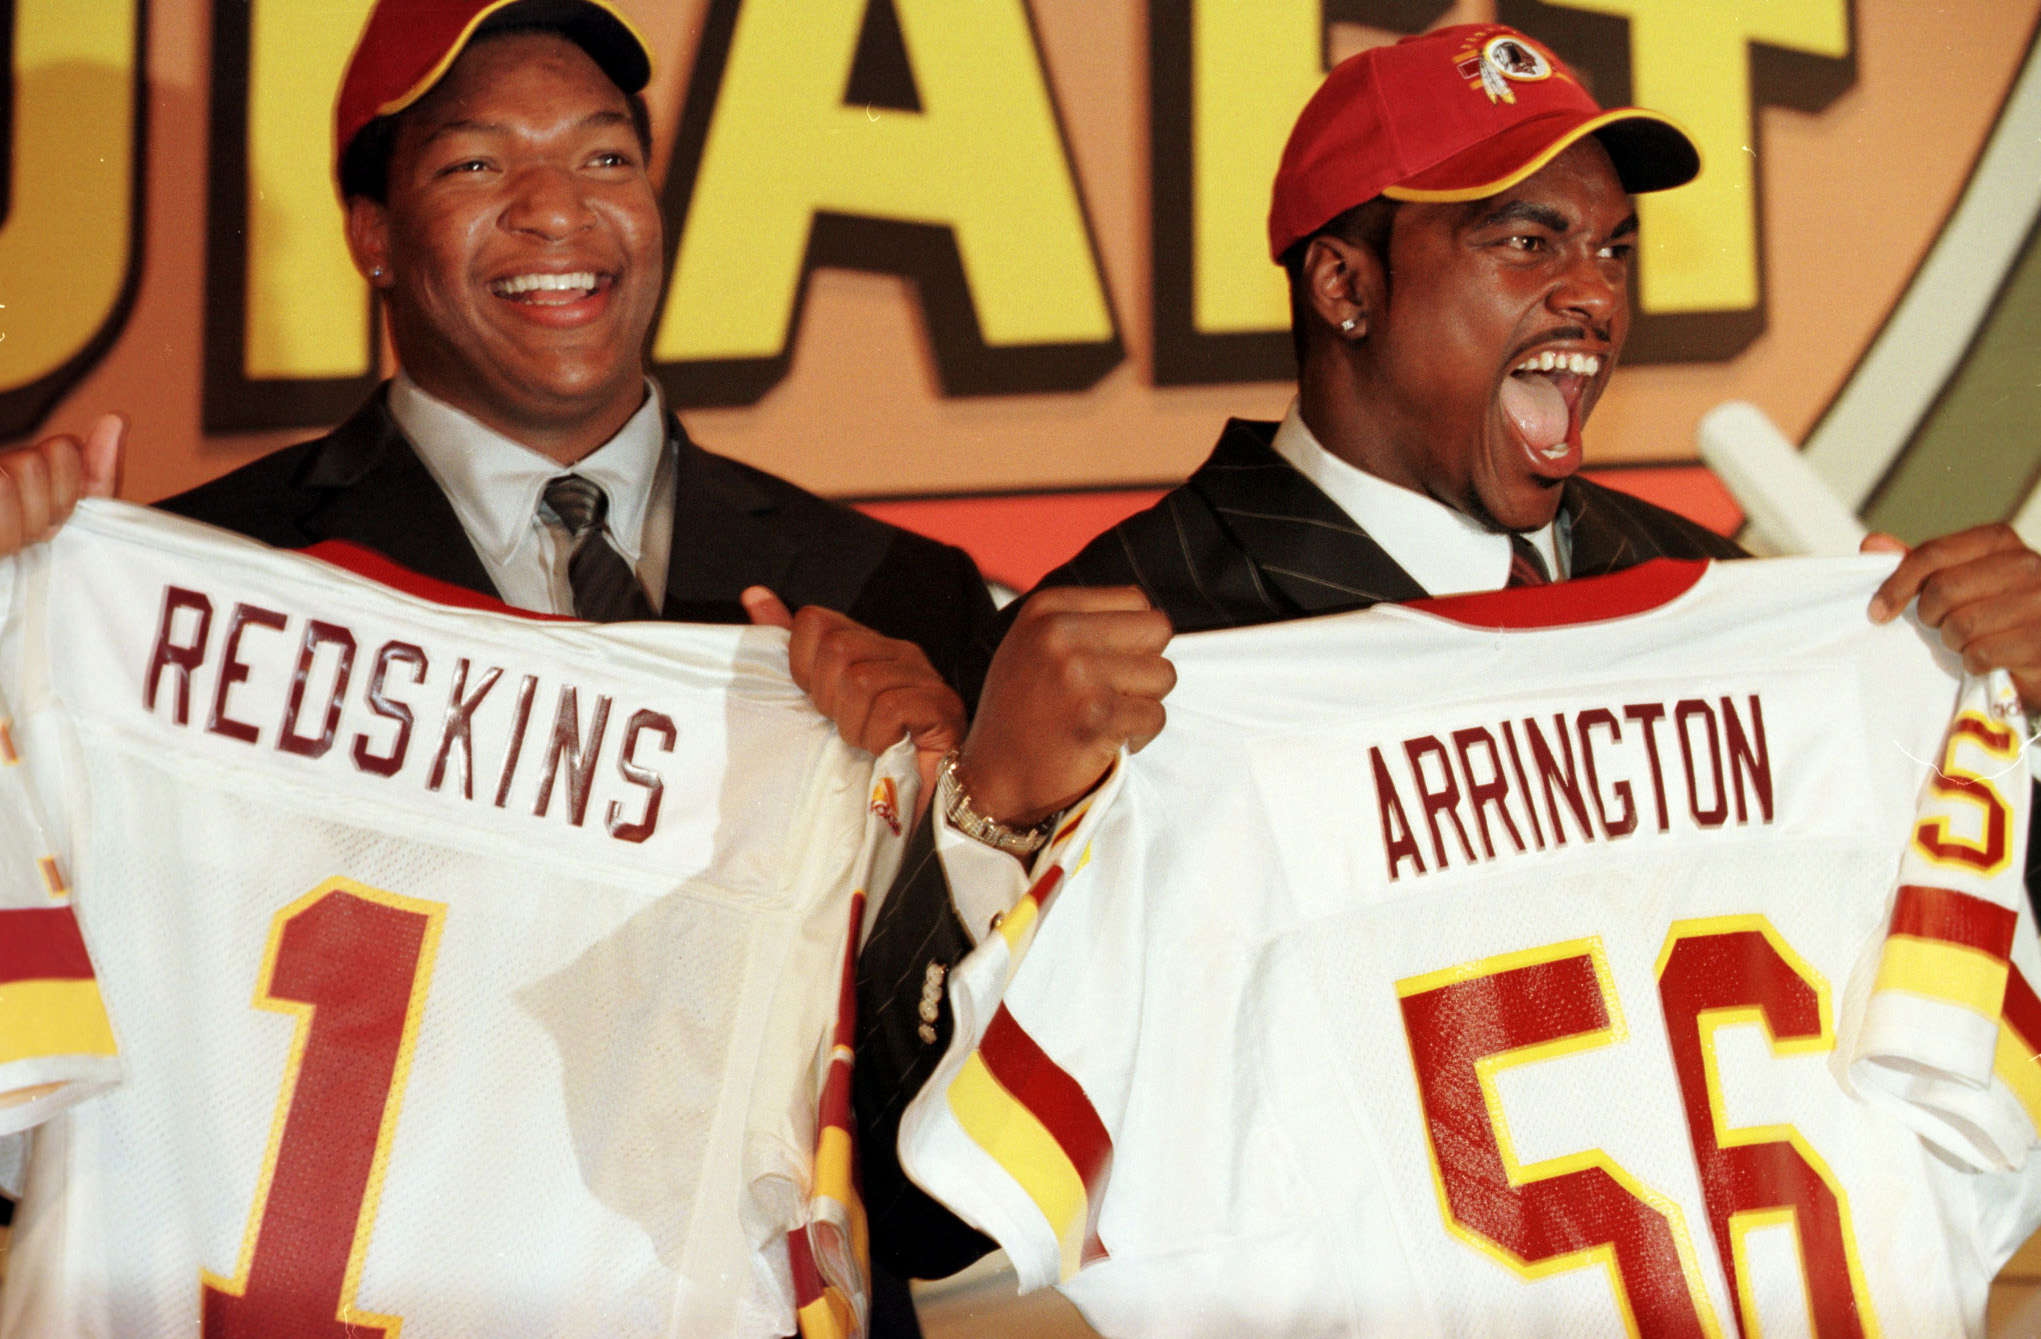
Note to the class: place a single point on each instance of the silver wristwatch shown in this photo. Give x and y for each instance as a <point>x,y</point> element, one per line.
<point>955,803</point>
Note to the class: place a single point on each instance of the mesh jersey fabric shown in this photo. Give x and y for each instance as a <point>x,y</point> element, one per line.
<point>1499,966</point>
<point>471,974</point>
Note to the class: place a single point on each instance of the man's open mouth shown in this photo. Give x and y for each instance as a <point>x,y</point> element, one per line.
<point>549,289</point>
<point>1542,397</point>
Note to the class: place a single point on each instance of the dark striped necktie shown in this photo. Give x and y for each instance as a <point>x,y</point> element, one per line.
<point>606,590</point>
<point>1526,567</point>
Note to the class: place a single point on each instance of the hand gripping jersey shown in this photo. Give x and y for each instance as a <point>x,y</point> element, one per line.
<point>1585,960</point>
<point>471,974</point>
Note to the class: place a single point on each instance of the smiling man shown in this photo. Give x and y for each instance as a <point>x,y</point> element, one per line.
<point>1454,213</point>
<point>492,160</point>
<point>515,241</point>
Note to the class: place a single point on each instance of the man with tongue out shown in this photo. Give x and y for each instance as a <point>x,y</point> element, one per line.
<point>1455,216</point>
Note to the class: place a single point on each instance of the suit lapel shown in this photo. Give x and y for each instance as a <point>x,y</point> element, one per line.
<point>367,485</point>
<point>1301,544</point>
<point>1600,542</point>
<point>723,539</point>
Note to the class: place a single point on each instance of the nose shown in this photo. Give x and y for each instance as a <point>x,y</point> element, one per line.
<point>1592,288</point>
<point>546,202</point>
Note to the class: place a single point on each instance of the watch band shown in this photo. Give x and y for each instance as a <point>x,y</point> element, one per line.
<point>955,803</point>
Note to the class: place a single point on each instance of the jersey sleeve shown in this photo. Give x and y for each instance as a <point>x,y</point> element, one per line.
<point>56,1046</point>
<point>831,1255</point>
<point>802,1212</point>
<point>830,1258</point>
<point>1952,1025</point>
<point>1004,1134</point>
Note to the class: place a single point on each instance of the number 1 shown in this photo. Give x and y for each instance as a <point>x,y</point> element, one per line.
<point>352,963</point>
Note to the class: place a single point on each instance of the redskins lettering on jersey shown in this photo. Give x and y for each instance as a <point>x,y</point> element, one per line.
<point>1636,956</point>
<point>471,974</point>
<point>375,719</point>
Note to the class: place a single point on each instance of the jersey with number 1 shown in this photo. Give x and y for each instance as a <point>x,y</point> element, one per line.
<point>470,974</point>
<point>1639,956</point>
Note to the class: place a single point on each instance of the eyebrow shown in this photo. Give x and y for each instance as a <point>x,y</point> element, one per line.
<point>1524,211</point>
<point>1545,216</point>
<point>469,125</point>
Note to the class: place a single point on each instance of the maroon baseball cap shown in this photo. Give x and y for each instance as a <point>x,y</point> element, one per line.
<point>407,46</point>
<point>1459,113</point>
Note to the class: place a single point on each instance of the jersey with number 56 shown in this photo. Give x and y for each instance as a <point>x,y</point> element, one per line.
<point>469,973</point>
<point>1639,956</point>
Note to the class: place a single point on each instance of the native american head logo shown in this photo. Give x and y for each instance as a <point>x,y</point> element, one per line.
<point>886,803</point>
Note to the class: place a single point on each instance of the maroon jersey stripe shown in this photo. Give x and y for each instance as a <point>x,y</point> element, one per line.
<point>808,1284</point>
<point>1954,918</point>
<point>1041,1085</point>
<point>366,562</point>
<point>42,944</point>
<point>2022,1011</point>
<point>1565,603</point>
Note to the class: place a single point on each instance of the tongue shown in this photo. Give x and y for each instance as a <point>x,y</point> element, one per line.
<point>1535,405</point>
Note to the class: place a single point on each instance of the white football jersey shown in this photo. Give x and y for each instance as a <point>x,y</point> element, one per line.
<point>1586,960</point>
<point>471,974</point>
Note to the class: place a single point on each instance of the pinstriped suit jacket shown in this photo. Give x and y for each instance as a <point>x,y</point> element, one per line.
<point>1245,540</point>
<point>1249,540</point>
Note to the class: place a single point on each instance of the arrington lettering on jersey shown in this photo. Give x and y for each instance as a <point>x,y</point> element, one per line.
<point>482,731</point>
<point>1517,785</point>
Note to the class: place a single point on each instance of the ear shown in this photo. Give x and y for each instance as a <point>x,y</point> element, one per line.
<point>1342,283</point>
<point>368,240</point>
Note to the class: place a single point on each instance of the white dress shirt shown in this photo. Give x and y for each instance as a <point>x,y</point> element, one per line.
<point>1448,552</point>
<point>494,486</point>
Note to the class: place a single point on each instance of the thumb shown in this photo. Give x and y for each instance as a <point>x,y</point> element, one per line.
<point>1880,542</point>
<point>939,729</point>
<point>766,609</point>
<point>105,447</point>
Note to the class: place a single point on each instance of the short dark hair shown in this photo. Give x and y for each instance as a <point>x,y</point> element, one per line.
<point>365,162</point>
<point>1366,224</point>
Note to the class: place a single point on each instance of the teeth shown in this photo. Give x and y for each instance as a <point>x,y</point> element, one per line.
<point>1580,364</point>
<point>526,283</point>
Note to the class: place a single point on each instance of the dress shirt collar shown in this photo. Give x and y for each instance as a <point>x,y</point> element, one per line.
<point>1445,551</point>
<point>494,482</point>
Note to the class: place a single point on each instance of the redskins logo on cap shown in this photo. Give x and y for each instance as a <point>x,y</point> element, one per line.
<point>1500,59</point>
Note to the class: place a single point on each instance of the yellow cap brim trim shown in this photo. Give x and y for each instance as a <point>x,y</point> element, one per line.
<point>1538,161</point>
<point>459,44</point>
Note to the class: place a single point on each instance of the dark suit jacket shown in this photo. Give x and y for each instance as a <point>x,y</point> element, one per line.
<point>733,526</point>
<point>1245,540</point>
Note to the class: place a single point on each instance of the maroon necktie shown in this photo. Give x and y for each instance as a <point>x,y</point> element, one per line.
<point>1526,568</point>
<point>606,590</point>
